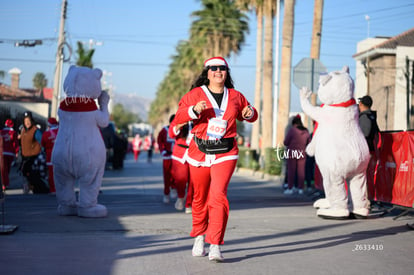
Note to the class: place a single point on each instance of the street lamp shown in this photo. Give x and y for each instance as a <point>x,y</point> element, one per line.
<point>92,42</point>
<point>367,18</point>
<point>28,43</point>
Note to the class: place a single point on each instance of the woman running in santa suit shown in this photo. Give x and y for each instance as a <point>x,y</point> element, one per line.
<point>213,105</point>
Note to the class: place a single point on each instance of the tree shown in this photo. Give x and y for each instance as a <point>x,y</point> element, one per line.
<point>84,56</point>
<point>219,29</point>
<point>257,5</point>
<point>317,29</point>
<point>122,118</point>
<point>316,38</point>
<point>267,118</point>
<point>286,69</point>
<point>39,81</point>
<point>2,74</point>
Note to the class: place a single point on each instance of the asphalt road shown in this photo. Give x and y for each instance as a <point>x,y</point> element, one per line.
<point>267,233</point>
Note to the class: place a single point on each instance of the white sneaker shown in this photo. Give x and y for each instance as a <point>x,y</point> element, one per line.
<point>288,192</point>
<point>215,254</point>
<point>166,199</point>
<point>188,210</point>
<point>300,191</point>
<point>198,247</point>
<point>173,194</point>
<point>179,204</point>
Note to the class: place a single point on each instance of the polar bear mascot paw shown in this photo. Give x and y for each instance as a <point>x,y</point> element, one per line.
<point>321,203</point>
<point>340,149</point>
<point>79,153</point>
<point>95,211</point>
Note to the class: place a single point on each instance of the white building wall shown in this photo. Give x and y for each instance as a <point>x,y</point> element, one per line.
<point>39,110</point>
<point>400,115</point>
<point>360,78</point>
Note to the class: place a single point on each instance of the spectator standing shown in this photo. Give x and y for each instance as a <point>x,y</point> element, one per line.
<point>10,150</point>
<point>370,129</point>
<point>30,139</point>
<point>108,135</point>
<point>368,121</point>
<point>296,140</point>
<point>47,142</point>
<point>120,150</point>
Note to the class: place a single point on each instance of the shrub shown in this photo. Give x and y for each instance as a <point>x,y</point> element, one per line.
<point>273,163</point>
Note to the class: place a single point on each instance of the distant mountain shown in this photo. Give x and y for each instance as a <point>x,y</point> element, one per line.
<point>133,103</point>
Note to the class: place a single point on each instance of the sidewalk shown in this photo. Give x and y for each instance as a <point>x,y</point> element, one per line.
<point>267,233</point>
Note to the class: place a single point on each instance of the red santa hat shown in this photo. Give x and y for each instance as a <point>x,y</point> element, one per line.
<point>218,60</point>
<point>52,121</point>
<point>9,123</point>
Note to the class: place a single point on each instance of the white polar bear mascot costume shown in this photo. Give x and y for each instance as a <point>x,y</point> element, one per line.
<point>339,147</point>
<point>79,153</point>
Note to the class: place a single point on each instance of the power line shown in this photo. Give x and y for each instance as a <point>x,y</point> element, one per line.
<point>27,60</point>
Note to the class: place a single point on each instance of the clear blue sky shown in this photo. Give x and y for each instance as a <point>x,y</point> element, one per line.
<point>134,40</point>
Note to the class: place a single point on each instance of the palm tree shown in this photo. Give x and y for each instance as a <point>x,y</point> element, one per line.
<point>316,37</point>
<point>317,29</point>
<point>267,125</point>
<point>257,5</point>
<point>285,72</point>
<point>183,70</point>
<point>219,29</point>
<point>84,56</point>
<point>39,82</point>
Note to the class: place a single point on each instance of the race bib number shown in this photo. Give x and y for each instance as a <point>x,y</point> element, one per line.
<point>216,128</point>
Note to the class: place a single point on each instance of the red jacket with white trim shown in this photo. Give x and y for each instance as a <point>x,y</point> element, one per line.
<point>230,110</point>
<point>165,143</point>
<point>48,142</point>
<point>181,144</point>
<point>10,143</point>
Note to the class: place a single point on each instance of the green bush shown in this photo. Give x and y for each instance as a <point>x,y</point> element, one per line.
<point>272,162</point>
<point>248,159</point>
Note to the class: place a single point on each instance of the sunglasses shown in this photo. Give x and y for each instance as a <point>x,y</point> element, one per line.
<point>221,67</point>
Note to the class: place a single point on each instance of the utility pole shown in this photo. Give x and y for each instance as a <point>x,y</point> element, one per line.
<point>315,47</point>
<point>59,62</point>
<point>276,77</point>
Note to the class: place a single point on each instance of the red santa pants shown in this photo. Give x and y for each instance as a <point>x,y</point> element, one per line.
<point>190,193</point>
<point>52,188</point>
<point>210,205</point>
<point>136,155</point>
<point>6,163</point>
<point>181,174</point>
<point>168,178</point>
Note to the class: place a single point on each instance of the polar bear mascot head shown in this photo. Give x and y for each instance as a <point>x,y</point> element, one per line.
<point>336,87</point>
<point>83,82</point>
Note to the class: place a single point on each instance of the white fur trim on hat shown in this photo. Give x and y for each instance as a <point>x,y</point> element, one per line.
<point>215,61</point>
